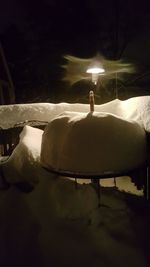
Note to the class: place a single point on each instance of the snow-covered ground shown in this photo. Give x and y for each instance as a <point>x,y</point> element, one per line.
<point>56,225</point>
<point>60,223</point>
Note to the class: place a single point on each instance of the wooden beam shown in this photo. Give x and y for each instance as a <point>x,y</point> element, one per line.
<point>11,89</point>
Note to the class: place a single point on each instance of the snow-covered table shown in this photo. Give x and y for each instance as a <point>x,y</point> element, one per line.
<point>93,145</point>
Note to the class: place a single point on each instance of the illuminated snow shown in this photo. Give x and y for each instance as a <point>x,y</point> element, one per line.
<point>92,143</point>
<point>25,157</point>
<point>136,108</point>
<point>24,166</point>
<point>60,224</point>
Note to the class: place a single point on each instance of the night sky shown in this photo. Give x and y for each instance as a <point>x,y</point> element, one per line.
<point>36,34</point>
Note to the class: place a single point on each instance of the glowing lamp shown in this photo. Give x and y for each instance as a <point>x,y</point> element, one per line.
<point>95,71</point>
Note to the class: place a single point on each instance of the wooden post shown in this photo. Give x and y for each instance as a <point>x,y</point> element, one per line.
<point>91,101</point>
<point>11,89</point>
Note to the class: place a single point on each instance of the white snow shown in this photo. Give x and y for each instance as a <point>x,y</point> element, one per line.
<point>92,144</point>
<point>59,224</point>
<point>25,157</point>
<point>136,108</point>
<point>24,166</point>
<point>13,114</point>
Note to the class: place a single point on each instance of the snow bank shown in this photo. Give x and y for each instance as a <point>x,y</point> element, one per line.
<point>136,108</point>
<point>12,114</point>
<point>69,200</point>
<point>57,218</point>
<point>92,144</point>
<point>22,164</point>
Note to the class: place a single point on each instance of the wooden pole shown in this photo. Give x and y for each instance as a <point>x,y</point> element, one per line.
<point>11,89</point>
<point>91,101</point>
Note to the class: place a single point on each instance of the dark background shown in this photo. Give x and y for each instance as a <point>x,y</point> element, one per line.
<point>35,35</point>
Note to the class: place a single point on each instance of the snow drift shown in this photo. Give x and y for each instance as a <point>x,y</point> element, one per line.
<point>23,163</point>
<point>57,219</point>
<point>136,108</point>
<point>92,144</point>
<point>24,166</point>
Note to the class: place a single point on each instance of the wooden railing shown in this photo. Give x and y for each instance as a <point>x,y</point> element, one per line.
<point>9,138</point>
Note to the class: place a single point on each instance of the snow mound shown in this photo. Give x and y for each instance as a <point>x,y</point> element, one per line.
<point>13,114</point>
<point>22,164</point>
<point>92,144</point>
<point>72,200</point>
<point>127,109</point>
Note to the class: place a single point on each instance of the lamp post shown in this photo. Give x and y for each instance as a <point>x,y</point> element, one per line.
<point>95,71</point>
